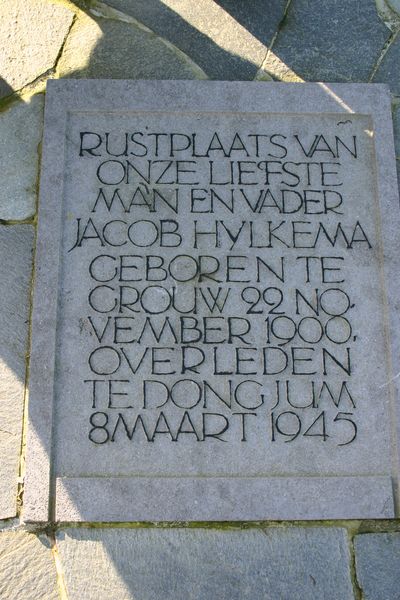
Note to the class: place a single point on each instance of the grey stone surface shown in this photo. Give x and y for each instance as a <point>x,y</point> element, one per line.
<point>176,564</point>
<point>217,499</point>
<point>15,269</point>
<point>388,71</point>
<point>152,403</point>
<point>31,35</point>
<point>396,126</point>
<point>107,48</point>
<point>21,127</point>
<point>346,50</point>
<point>27,567</point>
<point>398,172</point>
<point>228,39</point>
<point>378,565</point>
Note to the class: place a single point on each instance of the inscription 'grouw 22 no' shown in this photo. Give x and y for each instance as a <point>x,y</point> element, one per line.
<point>199,327</point>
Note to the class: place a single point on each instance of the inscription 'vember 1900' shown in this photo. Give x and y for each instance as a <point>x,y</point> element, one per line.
<point>267,328</point>
<point>222,307</point>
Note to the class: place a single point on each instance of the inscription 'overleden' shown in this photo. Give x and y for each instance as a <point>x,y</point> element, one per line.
<point>220,304</point>
<point>237,318</point>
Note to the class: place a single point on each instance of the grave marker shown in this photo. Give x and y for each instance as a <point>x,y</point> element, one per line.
<point>214,328</point>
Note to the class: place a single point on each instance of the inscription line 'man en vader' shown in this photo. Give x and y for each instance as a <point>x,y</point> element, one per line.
<point>213,329</point>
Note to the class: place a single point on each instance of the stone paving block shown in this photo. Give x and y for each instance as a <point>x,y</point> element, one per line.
<point>27,570</point>
<point>15,268</point>
<point>108,48</point>
<point>389,71</point>
<point>31,35</point>
<point>195,564</point>
<point>346,50</point>
<point>227,39</point>
<point>20,133</point>
<point>378,565</point>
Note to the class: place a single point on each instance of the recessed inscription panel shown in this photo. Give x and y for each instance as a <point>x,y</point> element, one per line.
<point>221,302</point>
<point>222,317</point>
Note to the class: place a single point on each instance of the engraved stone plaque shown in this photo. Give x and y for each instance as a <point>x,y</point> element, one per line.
<point>214,324</point>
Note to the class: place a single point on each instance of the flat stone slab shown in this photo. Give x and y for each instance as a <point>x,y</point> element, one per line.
<point>31,35</point>
<point>21,128</point>
<point>109,42</point>
<point>16,247</point>
<point>227,39</point>
<point>179,564</point>
<point>346,51</point>
<point>378,565</point>
<point>217,277</point>
<point>27,567</point>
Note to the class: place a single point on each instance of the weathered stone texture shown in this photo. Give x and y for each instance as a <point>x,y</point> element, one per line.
<point>378,565</point>
<point>130,479</point>
<point>31,35</point>
<point>15,268</point>
<point>396,126</point>
<point>20,134</point>
<point>346,50</point>
<point>107,48</point>
<point>179,564</point>
<point>228,39</point>
<point>27,568</point>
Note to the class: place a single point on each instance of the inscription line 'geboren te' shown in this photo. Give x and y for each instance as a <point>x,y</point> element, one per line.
<point>206,336</point>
